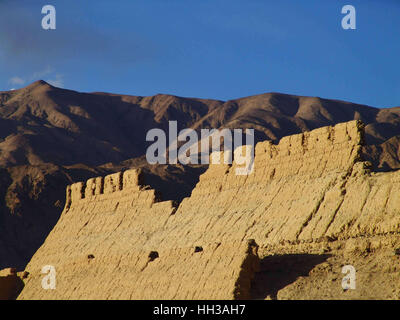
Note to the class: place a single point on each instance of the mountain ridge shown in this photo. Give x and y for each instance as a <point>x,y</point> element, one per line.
<point>51,137</point>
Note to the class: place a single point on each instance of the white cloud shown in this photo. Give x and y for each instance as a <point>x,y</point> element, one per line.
<point>17,80</point>
<point>58,81</point>
<point>40,74</point>
<point>55,80</point>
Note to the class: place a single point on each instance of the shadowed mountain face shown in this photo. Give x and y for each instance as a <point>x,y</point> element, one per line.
<point>51,137</point>
<point>41,124</point>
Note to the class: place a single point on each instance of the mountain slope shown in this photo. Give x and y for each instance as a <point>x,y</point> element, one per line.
<point>41,124</point>
<point>51,137</point>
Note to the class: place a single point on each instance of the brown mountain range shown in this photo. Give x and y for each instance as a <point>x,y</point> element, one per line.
<point>51,137</point>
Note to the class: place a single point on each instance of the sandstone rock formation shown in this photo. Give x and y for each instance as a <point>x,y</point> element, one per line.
<point>311,205</point>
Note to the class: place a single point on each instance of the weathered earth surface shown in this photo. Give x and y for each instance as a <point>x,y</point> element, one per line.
<point>52,137</point>
<point>311,206</point>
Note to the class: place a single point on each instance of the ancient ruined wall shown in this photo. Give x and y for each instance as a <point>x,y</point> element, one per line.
<point>296,192</point>
<point>218,271</point>
<point>311,188</point>
<point>103,234</point>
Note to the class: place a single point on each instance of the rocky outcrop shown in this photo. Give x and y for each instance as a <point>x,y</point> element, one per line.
<point>118,206</point>
<point>311,205</point>
<point>51,137</point>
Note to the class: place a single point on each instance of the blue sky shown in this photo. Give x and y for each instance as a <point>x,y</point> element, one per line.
<point>208,49</point>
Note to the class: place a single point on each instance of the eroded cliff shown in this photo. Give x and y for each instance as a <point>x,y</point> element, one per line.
<point>311,206</point>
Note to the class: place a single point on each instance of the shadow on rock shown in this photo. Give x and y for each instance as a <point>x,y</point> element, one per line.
<point>278,271</point>
<point>10,287</point>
